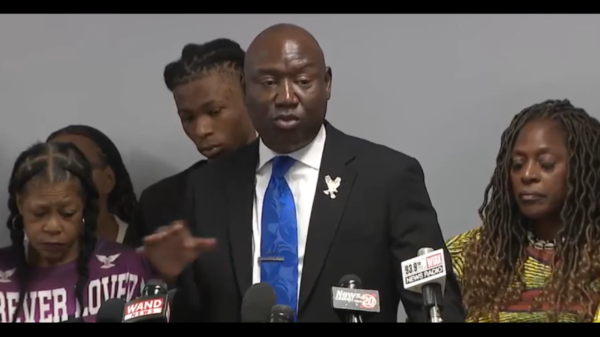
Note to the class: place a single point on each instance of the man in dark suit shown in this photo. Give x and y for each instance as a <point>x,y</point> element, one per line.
<point>302,206</point>
<point>207,89</point>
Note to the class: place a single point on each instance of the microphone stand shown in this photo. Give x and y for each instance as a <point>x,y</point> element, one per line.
<point>353,318</point>
<point>431,294</point>
<point>435,315</point>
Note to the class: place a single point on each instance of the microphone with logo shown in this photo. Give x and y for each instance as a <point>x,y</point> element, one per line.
<point>349,300</point>
<point>151,307</point>
<point>257,303</point>
<point>426,274</point>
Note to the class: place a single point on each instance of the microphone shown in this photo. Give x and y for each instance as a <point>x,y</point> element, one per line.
<point>151,307</point>
<point>257,303</point>
<point>111,311</point>
<point>282,314</point>
<point>154,287</point>
<point>73,319</point>
<point>350,300</point>
<point>426,274</point>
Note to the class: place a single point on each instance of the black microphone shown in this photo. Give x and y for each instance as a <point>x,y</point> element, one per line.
<point>282,314</point>
<point>154,287</point>
<point>426,274</point>
<point>257,303</point>
<point>151,307</point>
<point>350,300</point>
<point>73,319</point>
<point>111,311</point>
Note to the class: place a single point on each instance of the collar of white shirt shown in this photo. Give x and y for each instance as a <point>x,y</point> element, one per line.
<point>309,155</point>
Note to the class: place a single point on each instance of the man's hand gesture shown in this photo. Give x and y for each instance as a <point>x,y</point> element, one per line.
<point>173,247</point>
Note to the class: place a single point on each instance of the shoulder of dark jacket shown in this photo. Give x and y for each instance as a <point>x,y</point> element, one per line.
<point>176,181</point>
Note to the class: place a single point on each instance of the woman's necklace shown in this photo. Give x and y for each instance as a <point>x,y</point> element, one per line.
<point>541,244</point>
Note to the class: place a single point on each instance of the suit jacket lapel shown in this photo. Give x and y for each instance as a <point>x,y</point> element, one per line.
<point>240,200</point>
<point>326,212</point>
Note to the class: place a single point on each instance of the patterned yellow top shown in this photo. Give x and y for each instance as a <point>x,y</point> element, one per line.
<point>537,271</point>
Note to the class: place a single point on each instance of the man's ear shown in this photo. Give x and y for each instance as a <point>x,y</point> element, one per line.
<point>243,84</point>
<point>328,81</point>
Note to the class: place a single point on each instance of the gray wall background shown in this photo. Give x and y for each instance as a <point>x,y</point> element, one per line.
<point>441,88</point>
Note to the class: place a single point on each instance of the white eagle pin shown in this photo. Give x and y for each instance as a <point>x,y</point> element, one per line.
<point>332,186</point>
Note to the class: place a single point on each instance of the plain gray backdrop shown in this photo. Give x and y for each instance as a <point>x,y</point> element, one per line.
<point>441,88</point>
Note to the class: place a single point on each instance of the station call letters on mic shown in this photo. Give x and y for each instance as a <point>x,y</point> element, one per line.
<point>350,300</point>
<point>151,307</point>
<point>426,275</point>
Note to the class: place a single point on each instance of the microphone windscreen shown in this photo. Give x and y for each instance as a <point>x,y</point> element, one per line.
<point>157,282</point>
<point>347,280</point>
<point>282,314</point>
<point>111,311</point>
<point>154,287</point>
<point>257,303</point>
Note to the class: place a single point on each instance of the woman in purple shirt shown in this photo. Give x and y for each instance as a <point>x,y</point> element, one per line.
<point>65,270</point>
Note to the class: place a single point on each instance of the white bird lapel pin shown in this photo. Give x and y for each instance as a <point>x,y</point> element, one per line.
<point>332,186</point>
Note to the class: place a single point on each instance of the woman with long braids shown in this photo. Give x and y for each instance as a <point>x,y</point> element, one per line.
<point>536,258</point>
<point>66,271</point>
<point>117,198</point>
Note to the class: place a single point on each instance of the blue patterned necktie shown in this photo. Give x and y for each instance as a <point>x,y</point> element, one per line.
<point>279,243</point>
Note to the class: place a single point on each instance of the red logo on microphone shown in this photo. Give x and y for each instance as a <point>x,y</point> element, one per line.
<point>144,308</point>
<point>434,261</point>
<point>368,301</point>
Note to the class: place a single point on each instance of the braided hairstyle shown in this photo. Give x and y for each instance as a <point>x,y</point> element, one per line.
<point>122,200</point>
<point>494,264</point>
<point>52,162</point>
<point>197,60</point>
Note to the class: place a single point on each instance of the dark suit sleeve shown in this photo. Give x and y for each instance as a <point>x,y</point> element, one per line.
<point>186,305</point>
<point>414,225</point>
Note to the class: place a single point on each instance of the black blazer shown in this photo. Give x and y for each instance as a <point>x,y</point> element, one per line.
<point>159,205</point>
<point>382,215</point>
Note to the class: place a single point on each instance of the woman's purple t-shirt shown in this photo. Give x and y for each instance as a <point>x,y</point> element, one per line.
<point>115,270</point>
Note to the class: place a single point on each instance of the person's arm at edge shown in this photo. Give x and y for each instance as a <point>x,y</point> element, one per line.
<point>414,225</point>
